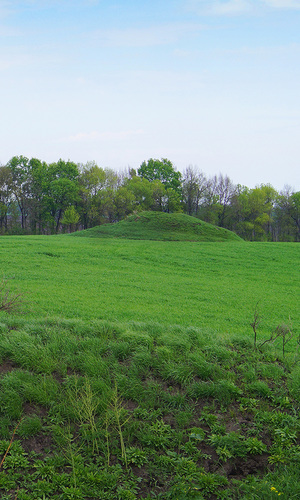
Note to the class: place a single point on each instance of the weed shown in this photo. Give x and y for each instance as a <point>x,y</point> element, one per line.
<point>197,485</point>
<point>44,469</point>
<point>248,404</point>
<point>136,456</point>
<point>85,405</point>
<point>234,445</point>
<point>71,451</point>
<point>254,446</point>
<point>278,455</point>
<point>159,435</point>
<point>196,434</point>
<point>71,493</point>
<point>285,436</point>
<point>14,457</point>
<point>116,418</point>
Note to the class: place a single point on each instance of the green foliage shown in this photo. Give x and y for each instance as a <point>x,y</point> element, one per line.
<point>235,445</point>
<point>13,455</point>
<point>161,170</point>
<point>136,456</point>
<point>201,485</point>
<point>230,445</point>
<point>254,446</point>
<point>37,198</point>
<point>70,218</point>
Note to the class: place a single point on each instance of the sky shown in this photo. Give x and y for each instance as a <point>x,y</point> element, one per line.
<point>210,83</point>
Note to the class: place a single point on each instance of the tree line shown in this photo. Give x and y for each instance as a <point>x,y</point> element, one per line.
<point>41,198</point>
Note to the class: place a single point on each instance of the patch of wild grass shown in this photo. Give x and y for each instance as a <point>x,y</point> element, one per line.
<point>294,383</point>
<point>116,410</point>
<point>29,426</point>
<point>31,387</point>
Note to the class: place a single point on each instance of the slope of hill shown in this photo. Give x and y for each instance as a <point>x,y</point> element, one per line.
<point>160,226</point>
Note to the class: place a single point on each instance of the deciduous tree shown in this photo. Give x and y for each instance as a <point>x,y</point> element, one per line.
<point>163,171</point>
<point>193,189</point>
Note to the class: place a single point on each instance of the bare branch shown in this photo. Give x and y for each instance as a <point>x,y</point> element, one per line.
<point>256,321</point>
<point>10,301</point>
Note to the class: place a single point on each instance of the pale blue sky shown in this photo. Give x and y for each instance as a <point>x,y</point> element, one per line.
<point>215,84</point>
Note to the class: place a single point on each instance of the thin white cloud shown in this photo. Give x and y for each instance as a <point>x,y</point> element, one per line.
<point>263,50</point>
<point>145,37</point>
<point>8,7</point>
<point>230,7</point>
<point>238,7</point>
<point>220,7</point>
<point>5,9</point>
<point>14,60</point>
<point>22,57</point>
<point>102,136</point>
<point>283,4</point>
<point>8,31</point>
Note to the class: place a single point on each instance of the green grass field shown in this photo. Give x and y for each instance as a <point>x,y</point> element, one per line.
<point>132,373</point>
<point>213,286</point>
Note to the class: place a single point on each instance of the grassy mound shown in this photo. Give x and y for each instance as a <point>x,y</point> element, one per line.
<point>160,226</point>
